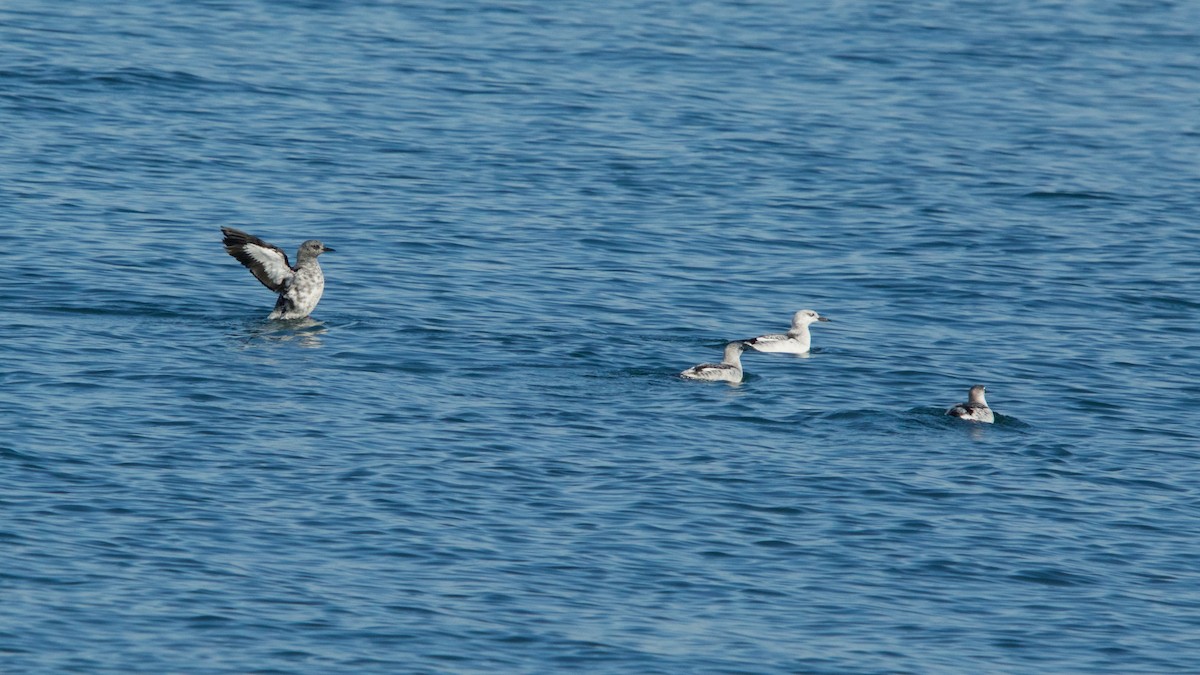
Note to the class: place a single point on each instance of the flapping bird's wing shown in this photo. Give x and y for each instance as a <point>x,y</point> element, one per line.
<point>267,262</point>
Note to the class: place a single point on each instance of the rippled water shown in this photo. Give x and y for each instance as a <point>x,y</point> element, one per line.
<point>479,456</point>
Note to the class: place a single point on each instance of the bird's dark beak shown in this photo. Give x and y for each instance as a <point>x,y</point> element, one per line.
<point>824,318</point>
<point>326,249</point>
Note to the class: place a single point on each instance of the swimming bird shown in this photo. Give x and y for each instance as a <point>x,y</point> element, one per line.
<point>728,370</point>
<point>797,340</point>
<point>975,409</point>
<point>299,287</point>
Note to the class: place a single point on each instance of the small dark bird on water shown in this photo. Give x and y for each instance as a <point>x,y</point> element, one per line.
<point>299,287</point>
<point>728,370</point>
<point>975,409</point>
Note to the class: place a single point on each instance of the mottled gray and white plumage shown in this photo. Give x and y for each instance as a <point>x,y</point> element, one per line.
<point>299,287</point>
<point>797,341</point>
<point>975,409</point>
<point>728,370</point>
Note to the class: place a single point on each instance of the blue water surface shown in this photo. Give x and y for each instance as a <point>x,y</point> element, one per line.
<point>478,457</point>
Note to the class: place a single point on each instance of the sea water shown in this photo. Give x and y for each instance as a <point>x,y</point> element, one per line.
<point>478,456</point>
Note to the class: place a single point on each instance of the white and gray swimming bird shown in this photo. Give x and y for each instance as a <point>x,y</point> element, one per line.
<point>299,287</point>
<point>975,409</point>
<point>797,340</point>
<point>728,370</point>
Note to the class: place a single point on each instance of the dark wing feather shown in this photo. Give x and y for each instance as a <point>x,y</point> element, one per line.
<point>267,262</point>
<point>761,339</point>
<point>964,409</point>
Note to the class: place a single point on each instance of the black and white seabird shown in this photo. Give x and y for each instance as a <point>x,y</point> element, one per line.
<point>797,340</point>
<point>299,287</point>
<point>728,370</point>
<point>975,409</point>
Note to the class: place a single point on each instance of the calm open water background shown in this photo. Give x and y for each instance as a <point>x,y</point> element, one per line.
<point>480,459</point>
